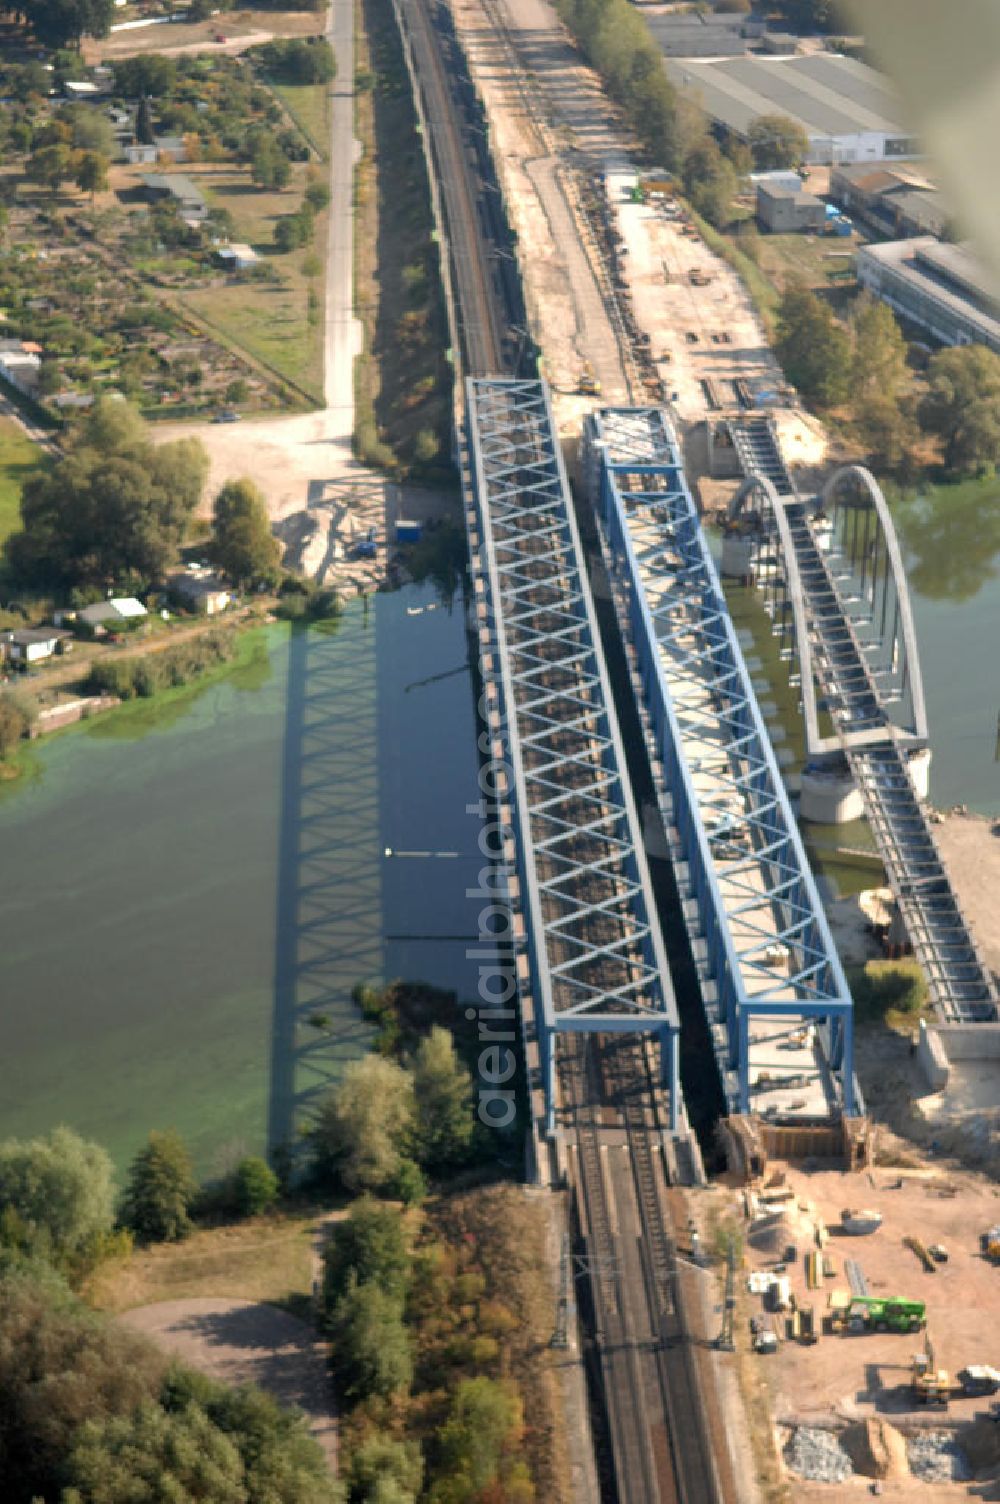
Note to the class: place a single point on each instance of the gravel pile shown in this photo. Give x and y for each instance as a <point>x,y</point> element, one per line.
<point>818,1456</point>
<point>936,1458</point>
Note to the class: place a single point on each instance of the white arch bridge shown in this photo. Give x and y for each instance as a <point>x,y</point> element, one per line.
<point>832,579</point>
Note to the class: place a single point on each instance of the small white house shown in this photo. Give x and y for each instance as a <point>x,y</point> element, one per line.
<point>32,644</point>
<point>140,152</point>
<point>200,590</point>
<point>103,615</point>
<point>238,258</point>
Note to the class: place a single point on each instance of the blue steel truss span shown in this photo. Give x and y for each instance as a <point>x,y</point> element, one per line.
<point>776,996</point>
<point>590,931</point>
<point>840,568</point>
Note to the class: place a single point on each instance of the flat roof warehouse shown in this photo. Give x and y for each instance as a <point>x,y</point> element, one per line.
<point>847,110</point>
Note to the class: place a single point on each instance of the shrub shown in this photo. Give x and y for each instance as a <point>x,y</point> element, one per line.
<point>161,1190</point>
<point>255,1187</point>
<point>886,988</point>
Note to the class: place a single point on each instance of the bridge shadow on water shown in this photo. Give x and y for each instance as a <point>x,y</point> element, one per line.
<point>329,909</point>
<point>376,847</point>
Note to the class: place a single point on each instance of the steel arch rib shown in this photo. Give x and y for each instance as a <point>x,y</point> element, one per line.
<point>874,490</point>
<point>814,742</point>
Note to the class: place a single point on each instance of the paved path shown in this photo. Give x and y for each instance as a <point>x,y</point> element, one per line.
<point>246,1342</point>
<point>343,332</point>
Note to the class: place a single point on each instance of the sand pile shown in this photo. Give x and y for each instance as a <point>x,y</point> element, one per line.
<point>876,1449</point>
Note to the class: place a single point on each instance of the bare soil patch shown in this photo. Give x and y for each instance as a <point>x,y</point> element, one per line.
<point>242,1342</point>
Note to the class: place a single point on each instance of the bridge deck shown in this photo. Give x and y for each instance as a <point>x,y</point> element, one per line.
<point>769,967</point>
<point>595,951</point>
<point>960,983</point>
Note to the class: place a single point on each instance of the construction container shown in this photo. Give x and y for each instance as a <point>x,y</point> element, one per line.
<point>408,532</point>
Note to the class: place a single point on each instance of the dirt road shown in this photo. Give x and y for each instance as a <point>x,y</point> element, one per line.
<point>242,1342</point>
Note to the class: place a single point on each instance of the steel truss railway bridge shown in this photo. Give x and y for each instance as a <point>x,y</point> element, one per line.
<point>834,585</point>
<point>773,988</point>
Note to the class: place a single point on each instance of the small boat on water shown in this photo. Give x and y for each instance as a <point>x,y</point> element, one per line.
<point>414,610</point>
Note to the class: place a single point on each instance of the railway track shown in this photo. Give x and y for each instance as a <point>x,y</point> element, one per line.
<point>482,316</point>
<point>650,1383</point>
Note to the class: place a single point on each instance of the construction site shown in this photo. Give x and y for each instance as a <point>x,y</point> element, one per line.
<point>860,1288</point>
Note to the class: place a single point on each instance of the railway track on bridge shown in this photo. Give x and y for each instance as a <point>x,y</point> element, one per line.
<point>651,1388</point>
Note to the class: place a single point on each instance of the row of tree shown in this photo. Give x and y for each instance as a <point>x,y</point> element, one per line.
<point>863,364</point>
<point>672,126</point>
<point>59,1200</point>
<point>373,1305</point>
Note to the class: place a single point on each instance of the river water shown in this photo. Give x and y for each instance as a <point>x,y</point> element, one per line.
<point>951,545</point>
<point>191,896</point>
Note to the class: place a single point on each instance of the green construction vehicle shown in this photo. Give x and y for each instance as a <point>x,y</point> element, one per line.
<point>876,1313</point>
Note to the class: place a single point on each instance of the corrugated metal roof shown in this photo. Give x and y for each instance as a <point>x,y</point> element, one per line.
<point>828,95</point>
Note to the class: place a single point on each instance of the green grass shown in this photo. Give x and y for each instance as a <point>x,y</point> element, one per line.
<point>269,321</point>
<point>309,107</point>
<point>267,1258</point>
<point>19,459</point>
<point>811,259</point>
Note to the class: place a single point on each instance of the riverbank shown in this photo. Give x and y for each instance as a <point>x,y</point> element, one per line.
<point>110,715</point>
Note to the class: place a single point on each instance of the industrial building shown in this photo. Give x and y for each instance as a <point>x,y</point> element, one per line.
<point>847,110</point>
<point>781,209</point>
<point>941,287</point>
<point>714,34</point>
<point>893,201</point>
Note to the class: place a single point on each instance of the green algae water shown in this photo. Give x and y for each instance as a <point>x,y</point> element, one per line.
<point>193,889</point>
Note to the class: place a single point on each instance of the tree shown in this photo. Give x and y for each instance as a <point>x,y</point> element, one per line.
<point>363,1124</point>
<point>255,1186</point>
<point>879,364</point>
<point>150,74</point>
<point>113,510</point>
<point>777,141</point>
<point>144,132</point>
<point>58,23</point>
<point>381,1464</point>
<point>152,1454</point>
<point>243,545</point>
<point>370,1347</point>
<point>269,167</point>
<point>60,1365</point>
<point>318,195</point>
<point>710,182</point>
<point>161,1190</point>
<point>61,1188</point>
<point>49,166</point>
<point>294,230</point>
<point>308,61</point>
<point>962,406</point>
<point>368,1247</point>
<point>90,172</point>
<point>887,433</point>
<point>442,1092</point>
<point>91,131</point>
<point>479,1438</point>
<point>815,352</point>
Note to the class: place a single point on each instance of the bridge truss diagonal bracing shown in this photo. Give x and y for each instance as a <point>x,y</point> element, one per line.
<point>594,948</point>
<point>777,999</point>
